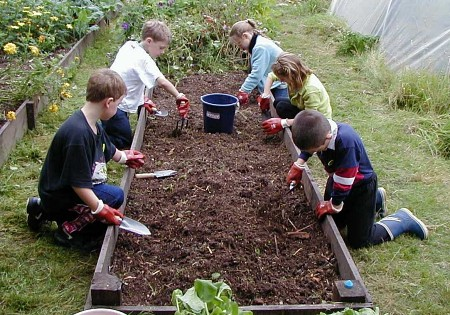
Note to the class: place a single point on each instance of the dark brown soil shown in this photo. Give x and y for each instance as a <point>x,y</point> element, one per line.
<point>226,212</point>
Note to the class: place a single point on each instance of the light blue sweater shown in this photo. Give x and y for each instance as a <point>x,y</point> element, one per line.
<point>264,55</point>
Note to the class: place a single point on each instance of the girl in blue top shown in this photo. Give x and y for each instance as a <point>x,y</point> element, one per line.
<point>263,53</point>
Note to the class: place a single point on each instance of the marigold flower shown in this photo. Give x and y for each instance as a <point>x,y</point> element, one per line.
<point>41,38</point>
<point>66,85</point>
<point>60,72</point>
<point>34,50</point>
<point>65,94</point>
<point>20,23</point>
<point>11,115</point>
<point>53,108</point>
<point>13,27</point>
<point>76,59</point>
<point>69,26</point>
<point>10,48</point>
<point>54,18</point>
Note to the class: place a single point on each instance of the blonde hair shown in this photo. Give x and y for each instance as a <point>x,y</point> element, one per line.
<point>292,69</point>
<point>156,30</point>
<point>242,27</point>
<point>105,83</point>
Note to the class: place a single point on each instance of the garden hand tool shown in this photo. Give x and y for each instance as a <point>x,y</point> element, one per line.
<point>134,226</point>
<point>183,109</point>
<point>157,174</point>
<point>153,110</point>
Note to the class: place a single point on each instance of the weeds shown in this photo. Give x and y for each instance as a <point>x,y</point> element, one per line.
<point>351,43</point>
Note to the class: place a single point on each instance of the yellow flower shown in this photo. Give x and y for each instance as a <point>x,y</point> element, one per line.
<point>41,38</point>
<point>66,85</point>
<point>10,48</point>
<point>34,13</point>
<point>66,94</point>
<point>13,27</point>
<point>54,18</point>
<point>53,108</point>
<point>69,26</point>
<point>76,59</point>
<point>20,23</point>
<point>34,50</point>
<point>11,115</point>
<point>60,72</point>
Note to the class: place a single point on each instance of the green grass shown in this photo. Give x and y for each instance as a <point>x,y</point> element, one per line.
<point>406,276</point>
<point>37,277</point>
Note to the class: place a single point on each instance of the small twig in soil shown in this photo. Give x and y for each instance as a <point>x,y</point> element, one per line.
<point>296,252</point>
<point>276,245</point>
<point>292,224</point>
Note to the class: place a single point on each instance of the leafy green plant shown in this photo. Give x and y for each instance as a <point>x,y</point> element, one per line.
<point>352,43</point>
<point>200,31</point>
<point>206,298</point>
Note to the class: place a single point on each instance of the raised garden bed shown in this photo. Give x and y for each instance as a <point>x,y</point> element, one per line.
<point>225,212</point>
<point>26,113</point>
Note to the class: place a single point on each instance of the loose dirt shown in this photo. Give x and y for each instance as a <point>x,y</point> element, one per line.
<point>226,212</point>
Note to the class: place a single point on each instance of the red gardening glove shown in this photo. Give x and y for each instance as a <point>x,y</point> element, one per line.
<point>242,97</point>
<point>109,215</point>
<point>264,103</point>
<point>295,173</point>
<point>135,159</point>
<point>273,125</point>
<point>150,106</point>
<point>326,207</point>
<point>183,106</point>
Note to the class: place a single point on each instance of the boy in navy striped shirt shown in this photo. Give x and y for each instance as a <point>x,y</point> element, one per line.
<point>350,193</point>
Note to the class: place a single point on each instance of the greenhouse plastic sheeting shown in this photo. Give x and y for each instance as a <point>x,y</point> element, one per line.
<point>413,34</point>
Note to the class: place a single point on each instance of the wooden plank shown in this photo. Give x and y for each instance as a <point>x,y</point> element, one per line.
<point>307,309</point>
<point>12,131</point>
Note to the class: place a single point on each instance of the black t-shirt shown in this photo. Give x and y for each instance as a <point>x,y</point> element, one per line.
<point>77,157</point>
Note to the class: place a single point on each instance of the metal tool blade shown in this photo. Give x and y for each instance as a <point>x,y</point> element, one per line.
<point>134,226</point>
<point>157,174</point>
<point>161,113</point>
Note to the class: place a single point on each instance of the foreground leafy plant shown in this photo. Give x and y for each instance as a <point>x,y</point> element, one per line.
<point>206,298</point>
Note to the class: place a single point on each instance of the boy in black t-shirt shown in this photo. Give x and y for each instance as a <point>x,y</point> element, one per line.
<point>72,185</point>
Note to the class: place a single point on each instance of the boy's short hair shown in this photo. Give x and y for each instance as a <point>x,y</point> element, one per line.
<point>310,129</point>
<point>105,83</point>
<point>156,30</point>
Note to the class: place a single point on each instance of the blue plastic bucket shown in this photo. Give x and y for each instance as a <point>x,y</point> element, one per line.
<point>218,112</point>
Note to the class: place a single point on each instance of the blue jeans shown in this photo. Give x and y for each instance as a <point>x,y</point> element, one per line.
<point>118,129</point>
<point>280,93</point>
<point>111,195</point>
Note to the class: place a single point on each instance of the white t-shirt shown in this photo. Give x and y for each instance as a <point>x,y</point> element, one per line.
<point>138,70</point>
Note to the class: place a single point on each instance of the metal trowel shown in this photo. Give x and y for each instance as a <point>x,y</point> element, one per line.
<point>157,174</point>
<point>161,113</point>
<point>134,226</point>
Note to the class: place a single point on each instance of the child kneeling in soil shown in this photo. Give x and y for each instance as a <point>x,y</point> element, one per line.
<point>350,191</point>
<point>72,184</point>
<point>263,53</point>
<point>304,88</point>
<point>136,65</point>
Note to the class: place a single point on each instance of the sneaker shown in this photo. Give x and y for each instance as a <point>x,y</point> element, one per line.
<point>36,217</point>
<point>382,211</point>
